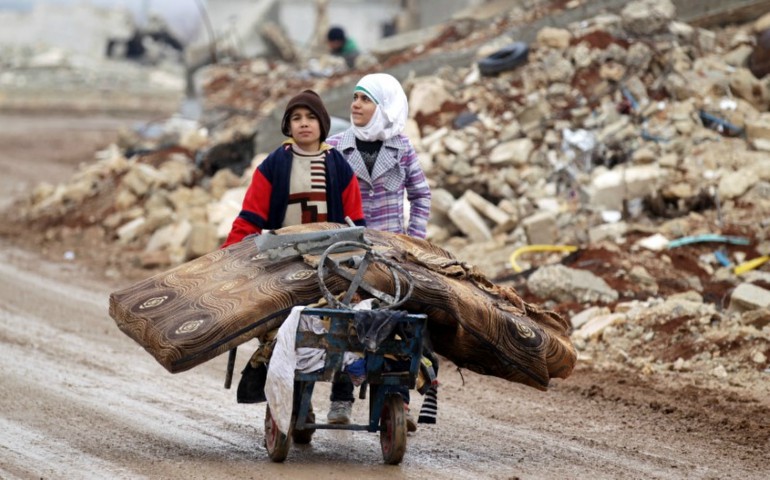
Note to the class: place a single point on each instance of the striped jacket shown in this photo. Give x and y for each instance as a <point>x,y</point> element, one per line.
<point>396,170</point>
<point>266,200</point>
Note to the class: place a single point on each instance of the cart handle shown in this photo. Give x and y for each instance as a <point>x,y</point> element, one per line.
<point>357,280</point>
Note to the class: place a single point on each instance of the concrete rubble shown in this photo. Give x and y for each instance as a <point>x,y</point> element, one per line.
<point>54,57</point>
<point>621,133</point>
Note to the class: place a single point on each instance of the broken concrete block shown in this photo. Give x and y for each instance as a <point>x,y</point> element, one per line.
<point>124,199</point>
<point>202,240</point>
<point>441,201</point>
<point>558,69</point>
<point>427,96</point>
<point>656,242</point>
<point>170,237</point>
<point>412,131</point>
<point>640,276</point>
<point>746,86</point>
<point>468,220</point>
<point>445,162</point>
<point>176,171</point>
<point>154,259</point>
<point>594,327</point>
<point>532,116</point>
<point>608,231</point>
<point>437,233</point>
<point>486,208</point>
<point>738,56</point>
<point>157,218</point>
<point>432,140</point>
<point>612,71</point>
<point>455,144</point>
<point>510,131</point>
<point>760,168</point>
<point>183,199</point>
<point>610,188</point>
<point>735,184</point>
<point>682,31</point>
<point>761,144</point>
<point>557,38</point>
<point>141,177</point>
<point>223,180</point>
<point>223,213</point>
<point>647,17</point>
<point>644,155</point>
<point>514,152</point>
<point>510,207</point>
<point>690,296</point>
<point>129,231</point>
<point>758,131</point>
<point>581,318</point>
<point>540,228</point>
<point>563,284</point>
<point>748,296</point>
<point>669,160</point>
<point>756,318</point>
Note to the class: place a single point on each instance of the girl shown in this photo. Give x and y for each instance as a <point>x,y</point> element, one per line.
<point>383,157</point>
<point>388,170</point>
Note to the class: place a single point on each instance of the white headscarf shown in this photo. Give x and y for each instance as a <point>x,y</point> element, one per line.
<point>389,119</point>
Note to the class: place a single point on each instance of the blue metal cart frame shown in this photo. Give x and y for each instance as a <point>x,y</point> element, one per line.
<point>386,407</point>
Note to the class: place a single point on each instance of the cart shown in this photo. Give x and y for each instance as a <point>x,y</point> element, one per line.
<point>386,407</point>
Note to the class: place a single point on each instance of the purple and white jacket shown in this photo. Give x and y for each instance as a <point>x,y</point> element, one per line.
<point>396,170</point>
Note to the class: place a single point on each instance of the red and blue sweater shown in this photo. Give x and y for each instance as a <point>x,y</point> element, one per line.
<point>266,200</point>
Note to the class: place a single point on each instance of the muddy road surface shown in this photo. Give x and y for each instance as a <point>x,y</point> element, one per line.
<point>82,400</point>
<point>79,399</point>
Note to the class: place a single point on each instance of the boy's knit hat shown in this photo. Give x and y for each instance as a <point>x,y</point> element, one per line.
<point>310,100</point>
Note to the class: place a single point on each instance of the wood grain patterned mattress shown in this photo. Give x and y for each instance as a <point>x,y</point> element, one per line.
<point>203,308</point>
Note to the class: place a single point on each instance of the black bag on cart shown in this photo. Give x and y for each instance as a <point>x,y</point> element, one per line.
<point>251,388</point>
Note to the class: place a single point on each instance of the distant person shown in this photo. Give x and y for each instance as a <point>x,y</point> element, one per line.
<point>342,46</point>
<point>759,60</point>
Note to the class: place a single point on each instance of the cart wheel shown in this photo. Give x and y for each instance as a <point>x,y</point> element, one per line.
<point>393,430</point>
<point>276,443</point>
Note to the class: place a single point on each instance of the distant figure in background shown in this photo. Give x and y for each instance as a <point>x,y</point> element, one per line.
<point>342,45</point>
<point>759,60</point>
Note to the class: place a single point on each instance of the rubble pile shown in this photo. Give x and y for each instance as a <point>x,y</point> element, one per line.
<point>640,140</point>
<point>75,74</point>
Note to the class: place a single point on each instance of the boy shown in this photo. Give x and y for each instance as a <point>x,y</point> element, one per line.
<point>302,181</point>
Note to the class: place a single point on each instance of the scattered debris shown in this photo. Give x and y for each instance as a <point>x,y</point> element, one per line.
<point>618,133</point>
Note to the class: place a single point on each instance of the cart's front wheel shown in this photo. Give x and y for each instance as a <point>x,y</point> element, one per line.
<point>276,443</point>
<point>393,430</point>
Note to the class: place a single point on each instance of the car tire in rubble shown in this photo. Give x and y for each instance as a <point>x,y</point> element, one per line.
<point>507,58</point>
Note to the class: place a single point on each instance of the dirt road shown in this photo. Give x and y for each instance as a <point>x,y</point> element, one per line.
<point>79,399</point>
